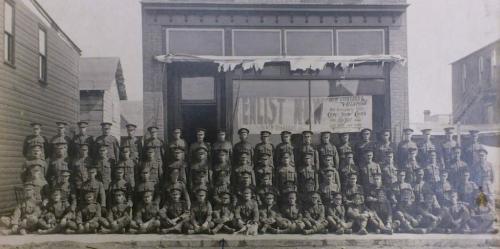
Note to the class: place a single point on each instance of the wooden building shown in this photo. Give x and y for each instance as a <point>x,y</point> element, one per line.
<point>274,65</point>
<point>38,83</point>
<point>102,86</point>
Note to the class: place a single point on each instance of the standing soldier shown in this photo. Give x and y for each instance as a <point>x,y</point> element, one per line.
<point>344,147</point>
<point>129,165</point>
<point>243,146</point>
<point>385,145</point>
<point>222,144</point>
<point>405,146</point>
<point>176,142</point>
<point>472,148</point>
<point>264,147</point>
<point>456,167</point>
<point>483,174</point>
<point>389,170</point>
<point>200,168</point>
<point>113,147</point>
<point>326,148</point>
<point>425,147</point>
<point>446,148</point>
<point>200,142</point>
<point>104,165</point>
<point>154,163</point>
<point>307,147</point>
<point>58,162</point>
<point>411,165</point>
<point>432,168</point>
<point>284,147</point>
<point>263,167</point>
<point>93,185</point>
<point>35,139</point>
<point>79,166</point>
<point>330,186</point>
<point>307,177</point>
<point>177,161</point>
<point>156,143</point>
<point>132,142</point>
<point>368,169</point>
<point>82,138</point>
<point>348,167</point>
<point>364,144</point>
<point>60,138</point>
<point>285,175</point>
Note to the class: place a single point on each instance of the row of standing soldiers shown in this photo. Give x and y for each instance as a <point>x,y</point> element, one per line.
<point>89,185</point>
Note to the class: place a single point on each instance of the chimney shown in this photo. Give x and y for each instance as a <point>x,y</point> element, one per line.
<point>427,115</point>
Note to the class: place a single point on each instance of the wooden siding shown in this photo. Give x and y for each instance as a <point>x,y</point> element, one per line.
<point>112,109</point>
<point>91,110</point>
<point>23,99</point>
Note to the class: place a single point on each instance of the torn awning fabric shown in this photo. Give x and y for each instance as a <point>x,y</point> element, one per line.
<point>228,63</point>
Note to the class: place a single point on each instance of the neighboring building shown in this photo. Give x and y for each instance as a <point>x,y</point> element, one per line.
<point>193,52</point>
<point>101,89</point>
<point>38,83</point>
<point>475,86</point>
<point>131,113</point>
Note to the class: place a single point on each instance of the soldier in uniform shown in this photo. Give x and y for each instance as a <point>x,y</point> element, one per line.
<point>177,161</point>
<point>104,165</point>
<point>307,177</point>
<point>443,188</point>
<point>314,215</point>
<point>348,167</point>
<point>223,215</point>
<point>79,166</point>
<point>467,189</point>
<point>94,185</point>
<point>268,211</point>
<point>336,216</point>
<point>389,170</point>
<point>286,174</point>
<point>244,165</point>
<point>57,216</point>
<point>411,165</point>
<point>326,148</point>
<point>200,143</point>
<point>361,216</point>
<point>244,180</point>
<point>120,182</point>
<point>425,147</point>
<point>147,214</point>
<point>200,167</point>
<point>265,147</point>
<point>446,148</point>
<point>246,214</point>
<point>456,217</point>
<point>36,159</point>
<point>174,214</point>
<point>384,146</point>
<point>405,214</point>
<point>60,138</point>
<point>420,187</point>
<point>405,146</point>
<point>398,187</point>
<point>243,146</point>
<point>483,172</point>
<point>222,166</point>
<point>368,169</point>
<point>430,213</point>
<point>223,144</point>
<point>173,175</point>
<point>307,147</point>
<point>26,214</point>
<point>154,164</point>
<point>472,148</point>
<point>119,214</point>
<point>153,141</point>
<point>132,142</point>
<point>344,147</point>
<point>109,140</point>
<point>222,183</point>
<point>68,192</point>
<point>483,217</point>
<point>263,167</point>
<point>58,162</point>
<point>284,147</point>
<point>129,165</point>
<point>432,168</point>
<point>33,174</point>
<point>377,200</point>
<point>88,217</point>
<point>177,142</point>
<point>265,185</point>
<point>36,139</point>
<point>330,186</point>
<point>201,213</point>
<point>364,144</point>
<point>456,166</point>
<point>145,183</point>
<point>82,138</point>
<point>291,220</point>
<point>351,189</point>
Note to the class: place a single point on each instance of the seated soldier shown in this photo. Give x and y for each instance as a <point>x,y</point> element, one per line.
<point>173,178</point>
<point>420,187</point>
<point>174,214</point>
<point>88,217</point>
<point>467,189</point>
<point>221,185</point>
<point>429,213</point>
<point>94,185</point>
<point>314,215</point>
<point>200,168</point>
<point>154,163</point>
<point>119,215</point>
<point>68,192</point>
<point>143,184</point>
<point>33,175</point>
<point>266,185</point>
<point>57,216</point>
<point>348,167</point>
<point>244,181</point>
<point>246,214</point>
<point>389,170</point>
<point>405,214</point>
<point>456,216</point>
<point>351,189</point>
<point>398,187</point>
<point>25,216</point>
<point>291,215</point>
<point>121,183</point>
<point>178,163</point>
<point>483,216</point>
<point>335,215</point>
<point>268,212</point>
<point>223,215</point>
<point>129,166</point>
<point>201,213</point>
<point>362,217</point>
<point>377,200</point>
<point>307,176</point>
<point>147,214</point>
<point>443,188</point>
<point>329,186</point>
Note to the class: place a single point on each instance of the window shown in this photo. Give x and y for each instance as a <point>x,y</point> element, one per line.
<point>42,55</point>
<point>195,41</point>
<point>481,68</point>
<point>309,42</point>
<point>360,41</point>
<point>464,77</point>
<point>9,33</point>
<point>198,89</point>
<point>256,42</point>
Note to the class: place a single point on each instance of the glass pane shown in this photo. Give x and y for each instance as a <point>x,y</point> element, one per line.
<point>8,18</point>
<point>40,67</point>
<point>309,42</point>
<point>360,42</point>
<point>198,88</point>
<point>256,42</point>
<point>41,42</point>
<point>6,50</point>
<point>195,42</point>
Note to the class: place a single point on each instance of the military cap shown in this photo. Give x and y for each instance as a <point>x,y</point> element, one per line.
<point>350,152</point>
<point>456,148</point>
<point>65,171</point>
<point>125,148</point>
<point>482,150</point>
<point>267,170</point>
<point>222,151</point>
<point>200,148</point>
<point>202,187</point>
<point>129,125</point>
<point>325,132</point>
<point>91,166</point>
<point>449,130</point>
<point>307,132</point>
<point>270,190</point>
<point>407,130</point>
<point>61,124</point>
<point>386,130</point>
<point>399,171</point>
<point>243,130</point>
<point>103,145</point>
<point>353,175</point>
<point>265,133</point>
<point>223,191</point>
<point>367,150</point>
<point>60,142</point>
<point>411,149</point>
<point>150,148</point>
<point>245,170</point>
<point>176,186</point>
<point>219,131</point>
<point>152,128</point>
<point>472,132</point>
<point>426,131</point>
<point>37,162</point>
<point>144,169</point>
<point>430,150</point>
<point>290,189</point>
<point>106,124</point>
<point>55,188</point>
<point>119,167</point>
<point>407,192</point>
<point>308,155</point>
<point>177,149</point>
<point>87,191</point>
<point>286,132</point>
<point>83,144</point>
<point>365,129</point>
<point>119,190</point>
<point>33,124</point>
<point>328,169</point>
<point>29,185</point>
<point>389,151</point>
<point>251,188</point>
<point>244,153</point>
<point>35,145</point>
<point>198,130</point>
<point>82,124</point>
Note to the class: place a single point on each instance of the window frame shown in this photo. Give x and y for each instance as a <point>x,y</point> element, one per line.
<point>309,30</point>
<point>279,31</point>
<point>44,70</point>
<point>167,36</point>
<point>198,101</point>
<point>12,49</point>
<point>338,30</point>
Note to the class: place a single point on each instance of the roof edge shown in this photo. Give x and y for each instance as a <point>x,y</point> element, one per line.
<point>475,51</point>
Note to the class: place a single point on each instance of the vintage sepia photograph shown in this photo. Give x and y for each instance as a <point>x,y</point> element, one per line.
<point>332,124</point>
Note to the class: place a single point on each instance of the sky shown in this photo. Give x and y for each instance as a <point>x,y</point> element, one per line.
<point>439,32</point>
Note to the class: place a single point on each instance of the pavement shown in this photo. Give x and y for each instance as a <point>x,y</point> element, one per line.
<point>95,241</point>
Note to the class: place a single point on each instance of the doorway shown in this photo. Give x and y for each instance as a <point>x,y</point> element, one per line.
<point>199,116</point>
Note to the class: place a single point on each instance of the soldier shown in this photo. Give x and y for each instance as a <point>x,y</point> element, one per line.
<point>368,169</point>
<point>26,214</point>
<point>244,181</point>
<point>326,148</point>
<point>243,146</point>
<point>398,187</point>
<point>79,166</point>
<point>286,175</point>
<point>36,139</point>
<point>420,187</point>
<point>307,177</point>
<point>177,142</point>
<point>200,143</point>
<point>243,166</point>
<point>121,183</point>
<point>456,216</point>
<point>223,144</point>
<point>268,211</point>
<point>246,214</point>
<point>68,192</point>
<point>154,164</point>
<point>411,165</point>
<point>336,216</point>
<point>177,161</point>
<point>82,138</point>
<point>432,168</point>
<point>361,216</point>
<point>36,158</point>
<point>94,185</point>
<point>483,172</point>
<point>201,213</point>
<point>456,166</point>
<point>145,183</point>
<point>351,189</point>
<point>265,186</point>
<point>430,213</point>
<point>265,147</point>
<point>147,214</point>
<point>88,217</point>
<point>377,200</point>
<point>389,170</point>
<point>221,184</point>
<point>109,140</point>
<point>443,188</point>
<point>129,165</point>
<point>132,142</point>
<point>348,167</point>
<point>174,214</point>
<point>344,147</point>
<point>483,217</point>
<point>284,147</point>
<point>58,162</point>
<point>119,214</point>
<point>364,144</point>
<point>447,146</point>
<point>223,215</point>
<point>104,165</point>
<point>200,167</point>
<point>57,216</point>
<point>172,181</point>
<point>291,220</point>
<point>264,167</point>
<point>425,147</point>
<point>153,141</point>
<point>307,147</point>
<point>330,186</point>
<point>405,146</point>
<point>467,189</point>
<point>34,176</point>
<point>472,148</point>
<point>60,138</point>
<point>384,146</point>
<point>314,216</point>
<point>222,166</point>
<point>405,214</point>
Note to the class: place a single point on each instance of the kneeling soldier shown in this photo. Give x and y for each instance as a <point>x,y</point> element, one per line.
<point>25,216</point>
<point>201,213</point>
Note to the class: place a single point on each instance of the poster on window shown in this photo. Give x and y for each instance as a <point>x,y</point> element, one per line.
<point>276,114</point>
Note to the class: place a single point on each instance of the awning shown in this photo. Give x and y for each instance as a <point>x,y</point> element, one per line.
<point>227,63</point>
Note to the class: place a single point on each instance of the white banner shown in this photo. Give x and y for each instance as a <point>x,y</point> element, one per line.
<point>336,114</point>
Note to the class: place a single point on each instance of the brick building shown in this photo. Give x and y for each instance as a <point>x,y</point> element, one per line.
<point>475,86</point>
<point>275,65</point>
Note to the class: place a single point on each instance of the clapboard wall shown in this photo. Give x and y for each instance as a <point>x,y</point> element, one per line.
<point>23,99</point>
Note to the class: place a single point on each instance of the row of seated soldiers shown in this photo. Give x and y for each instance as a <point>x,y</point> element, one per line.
<point>314,189</point>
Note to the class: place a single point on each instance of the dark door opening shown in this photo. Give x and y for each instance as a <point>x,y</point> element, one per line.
<point>199,116</point>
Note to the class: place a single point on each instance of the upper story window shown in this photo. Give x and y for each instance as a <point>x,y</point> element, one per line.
<point>42,55</point>
<point>9,33</point>
<point>360,41</point>
<point>309,42</point>
<point>256,42</point>
<point>195,41</point>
